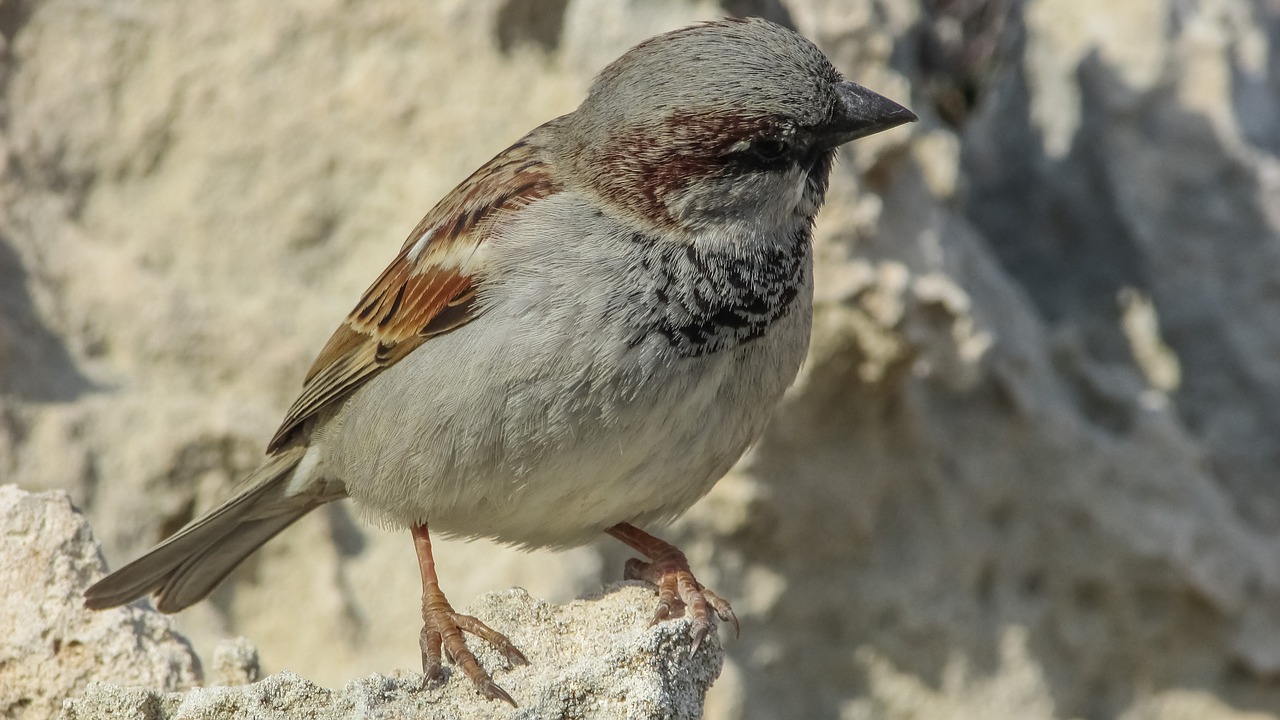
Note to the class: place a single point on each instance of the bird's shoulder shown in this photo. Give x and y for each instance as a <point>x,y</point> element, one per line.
<point>430,286</point>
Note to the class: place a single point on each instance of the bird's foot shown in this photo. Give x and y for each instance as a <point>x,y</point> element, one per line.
<point>442,629</point>
<point>679,592</point>
<point>442,637</point>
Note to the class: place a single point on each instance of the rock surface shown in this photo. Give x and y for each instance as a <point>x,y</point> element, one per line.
<point>595,658</point>
<point>1030,467</point>
<point>51,646</point>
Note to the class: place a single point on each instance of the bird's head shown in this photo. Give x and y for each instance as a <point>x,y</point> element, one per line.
<point>728,122</point>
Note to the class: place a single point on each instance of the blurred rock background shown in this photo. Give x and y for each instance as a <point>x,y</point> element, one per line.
<point>1029,471</point>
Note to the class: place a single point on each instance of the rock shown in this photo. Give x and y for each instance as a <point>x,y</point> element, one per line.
<point>596,658</point>
<point>235,662</point>
<point>1041,400</point>
<point>52,647</point>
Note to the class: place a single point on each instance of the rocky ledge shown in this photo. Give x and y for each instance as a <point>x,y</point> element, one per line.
<point>591,658</point>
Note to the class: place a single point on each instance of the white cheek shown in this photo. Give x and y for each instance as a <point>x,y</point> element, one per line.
<point>777,203</point>
<point>798,184</point>
<point>757,201</point>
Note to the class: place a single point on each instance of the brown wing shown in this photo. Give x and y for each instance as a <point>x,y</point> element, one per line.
<point>427,290</point>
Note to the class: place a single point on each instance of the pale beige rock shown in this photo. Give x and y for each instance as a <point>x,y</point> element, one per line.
<point>235,662</point>
<point>980,446</point>
<point>51,646</point>
<point>596,658</point>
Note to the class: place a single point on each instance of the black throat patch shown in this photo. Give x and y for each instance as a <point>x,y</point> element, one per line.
<point>707,301</point>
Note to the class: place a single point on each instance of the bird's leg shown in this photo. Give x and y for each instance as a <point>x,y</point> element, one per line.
<point>678,589</point>
<point>442,629</point>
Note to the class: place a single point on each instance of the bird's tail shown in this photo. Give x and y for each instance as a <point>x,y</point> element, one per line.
<point>187,566</point>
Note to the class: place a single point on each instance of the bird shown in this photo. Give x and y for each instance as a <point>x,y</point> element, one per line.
<point>581,338</point>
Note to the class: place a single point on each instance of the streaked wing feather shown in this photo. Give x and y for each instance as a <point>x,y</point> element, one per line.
<point>429,288</point>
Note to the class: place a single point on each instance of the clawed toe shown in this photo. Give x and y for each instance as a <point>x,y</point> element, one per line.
<point>491,690</point>
<point>723,610</point>
<point>493,637</point>
<point>429,641</point>
<point>679,592</point>
<point>442,636</point>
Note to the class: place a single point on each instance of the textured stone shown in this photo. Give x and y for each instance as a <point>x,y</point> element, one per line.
<point>235,662</point>
<point>596,658</point>
<point>51,647</point>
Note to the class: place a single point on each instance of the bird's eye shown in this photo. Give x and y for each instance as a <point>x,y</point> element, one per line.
<point>769,149</point>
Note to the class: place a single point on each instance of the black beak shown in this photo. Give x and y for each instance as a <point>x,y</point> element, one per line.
<point>860,113</point>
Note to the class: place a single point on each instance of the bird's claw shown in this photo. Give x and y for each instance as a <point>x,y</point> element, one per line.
<point>679,592</point>
<point>442,637</point>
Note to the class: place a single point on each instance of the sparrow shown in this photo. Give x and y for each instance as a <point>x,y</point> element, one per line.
<point>582,337</point>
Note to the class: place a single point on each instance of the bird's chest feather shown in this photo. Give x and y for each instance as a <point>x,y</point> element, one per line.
<point>666,360</point>
<point>623,320</point>
<point>708,301</point>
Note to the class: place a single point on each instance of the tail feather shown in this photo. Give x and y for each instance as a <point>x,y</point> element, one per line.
<point>186,567</point>
<point>197,576</point>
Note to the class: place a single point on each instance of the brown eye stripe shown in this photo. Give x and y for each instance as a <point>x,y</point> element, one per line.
<point>641,170</point>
